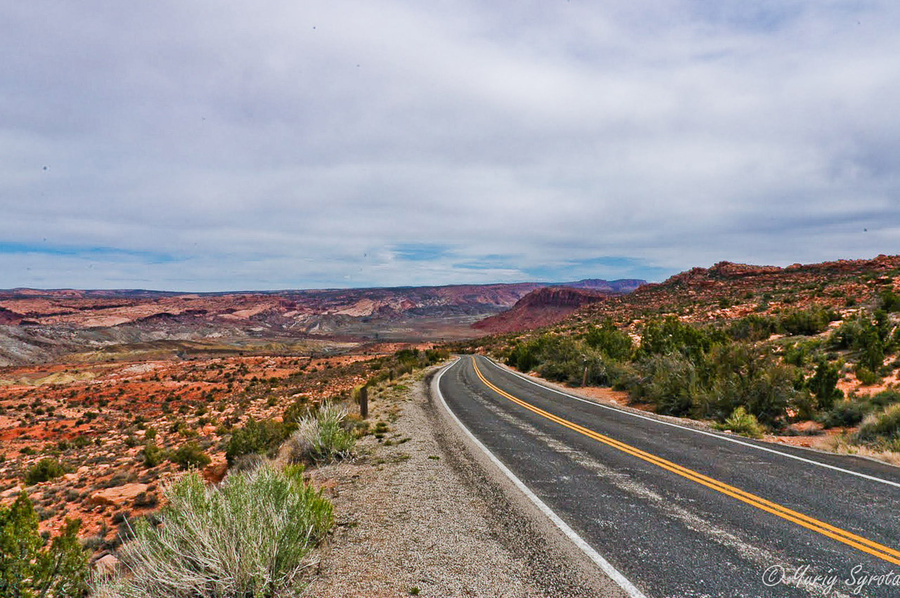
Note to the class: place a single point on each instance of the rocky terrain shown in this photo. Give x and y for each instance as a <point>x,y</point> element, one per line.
<point>40,326</point>
<point>541,307</point>
<point>106,395</point>
<point>830,332</point>
<point>727,290</point>
<point>97,420</point>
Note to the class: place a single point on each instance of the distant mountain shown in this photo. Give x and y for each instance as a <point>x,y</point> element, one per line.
<point>541,307</point>
<point>38,324</point>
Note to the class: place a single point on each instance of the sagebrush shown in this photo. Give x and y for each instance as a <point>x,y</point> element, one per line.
<point>247,538</point>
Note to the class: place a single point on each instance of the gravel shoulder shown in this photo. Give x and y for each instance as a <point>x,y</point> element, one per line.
<point>423,513</point>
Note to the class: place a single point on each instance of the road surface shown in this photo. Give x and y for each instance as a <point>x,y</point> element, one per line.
<point>680,512</point>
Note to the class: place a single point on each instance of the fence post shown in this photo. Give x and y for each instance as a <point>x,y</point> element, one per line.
<point>364,401</point>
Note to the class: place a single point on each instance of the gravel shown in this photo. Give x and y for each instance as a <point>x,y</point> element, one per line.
<point>422,513</point>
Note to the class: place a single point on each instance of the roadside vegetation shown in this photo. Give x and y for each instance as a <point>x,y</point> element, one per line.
<point>251,535</point>
<point>247,537</point>
<point>32,565</point>
<point>754,374</point>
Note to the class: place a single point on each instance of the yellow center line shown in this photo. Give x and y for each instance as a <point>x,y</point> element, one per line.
<point>863,544</point>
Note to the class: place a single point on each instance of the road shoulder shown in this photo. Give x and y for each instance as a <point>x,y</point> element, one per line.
<point>427,516</point>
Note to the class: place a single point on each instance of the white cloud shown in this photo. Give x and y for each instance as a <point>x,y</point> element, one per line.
<point>282,144</point>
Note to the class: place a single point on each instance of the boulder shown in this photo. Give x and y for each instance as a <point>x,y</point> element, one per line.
<point>118,496</point>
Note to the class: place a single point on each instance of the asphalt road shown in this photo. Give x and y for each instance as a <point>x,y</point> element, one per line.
<point>685,513</point>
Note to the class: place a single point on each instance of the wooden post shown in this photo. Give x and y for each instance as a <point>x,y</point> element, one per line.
<point>584,378</point>
<point>364,402</point>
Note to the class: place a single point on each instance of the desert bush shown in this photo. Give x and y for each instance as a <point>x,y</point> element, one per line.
<point>889,301</point>
<point>880,427</point>
<point>845,413</point>
<point>738,375</point>
<point>525,356</point>
<point>610,341</point>
<point>247,538</point>
<point>866,376</point>
<point>261,437</point>
<point>806,322</point>
<point>46,469</point>
<point>823,384</point>
<point>189,455</point>
<point>752,328</point>
<point>870,347</point>
<point>574,366</point>
<point>152,455</point>
<point>564,359</point>
<point>29,567</point>
<point>670,381</point>
<point>294,412</point>
<point>845,336</point>
<point>868,337</point>
<point>320,436</point>
<point>433,356</point>
<point>672,335</point>
<point>885,398</point>
<point>743,423</point>
<point>798,354</point>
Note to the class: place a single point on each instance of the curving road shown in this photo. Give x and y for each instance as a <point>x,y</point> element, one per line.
<point>680,512</point>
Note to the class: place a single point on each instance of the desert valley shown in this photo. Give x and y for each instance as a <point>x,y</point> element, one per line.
<point>107,396</point>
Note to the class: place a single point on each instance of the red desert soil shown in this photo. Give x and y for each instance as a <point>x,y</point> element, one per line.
<point>95,419</point>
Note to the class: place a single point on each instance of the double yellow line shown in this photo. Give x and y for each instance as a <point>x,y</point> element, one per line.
<point>880,551</point>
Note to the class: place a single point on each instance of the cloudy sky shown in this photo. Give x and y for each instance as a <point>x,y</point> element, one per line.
<point>210,145</point>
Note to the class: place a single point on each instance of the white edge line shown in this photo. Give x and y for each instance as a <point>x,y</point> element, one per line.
<point>586,548</point>
<point>720,437</point>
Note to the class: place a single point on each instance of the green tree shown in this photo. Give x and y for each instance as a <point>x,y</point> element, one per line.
<point>871,346</point>
<point>29,568</point>
<point>672,335</point>
<point>823,385</point>
<point>610,341</point>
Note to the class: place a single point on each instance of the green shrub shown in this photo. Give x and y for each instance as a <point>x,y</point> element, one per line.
<point>320,436</point>
<point>739,375</point>
<point>889,301</point>
<point>152,454</point>
<point>189,455</point>
<point>743,423</point>
<point>247,538</point>
<point>525,356</point>
<point>845,414</point>
<point>870,347</point>
<point>562,359</point>
<point>806,322</point>
<point>572,369</point>
<point>260,437</point>
<point>823,384</point>
<point>46,469</point>
<point>881,427</point>
<point>796,354</point>
<point>672,335</point>
<point>433,356</point>
<point>845,336</point>
<point>671,382</point>
<point>886,397</point>
<point>867,337</point>
<point>610,341</point>
<point>752,328</point>
<point>866,376</point>
<point>28,566</point>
